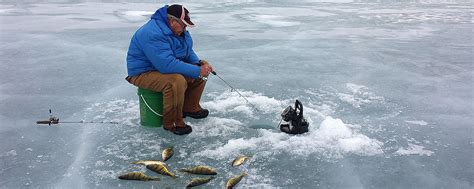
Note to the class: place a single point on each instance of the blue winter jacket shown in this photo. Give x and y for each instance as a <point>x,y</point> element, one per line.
<point>155,47</point>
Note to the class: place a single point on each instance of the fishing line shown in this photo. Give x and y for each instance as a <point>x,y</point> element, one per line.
<point>233,89</point>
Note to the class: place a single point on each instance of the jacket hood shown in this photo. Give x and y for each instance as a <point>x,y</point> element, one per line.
<point>161,19</point>
<point>161,13</point>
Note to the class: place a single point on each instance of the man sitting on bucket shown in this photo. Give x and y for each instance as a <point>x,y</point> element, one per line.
<point>161,58</point>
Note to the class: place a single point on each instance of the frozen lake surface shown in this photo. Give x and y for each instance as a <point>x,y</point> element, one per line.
<point>387,88</point>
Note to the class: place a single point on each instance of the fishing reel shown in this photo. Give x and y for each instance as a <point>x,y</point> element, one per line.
<point>52,120</point>
<point>297,124</point>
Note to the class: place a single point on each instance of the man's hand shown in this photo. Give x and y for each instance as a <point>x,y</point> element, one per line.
<point>205,70</point>
<point>204,62</point>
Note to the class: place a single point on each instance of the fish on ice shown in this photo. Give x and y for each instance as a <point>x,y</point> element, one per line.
<point>239,160</point>
<point>234,181</point>
<point>148,162</point>
<point>137,176</point>
<point>161,169</point>
<point>167,153</point>
<point>198,181</point>
<point>200,170</point>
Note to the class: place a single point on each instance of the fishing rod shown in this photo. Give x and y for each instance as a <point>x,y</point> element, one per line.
<point>54,120</point>
<point>233,89</point>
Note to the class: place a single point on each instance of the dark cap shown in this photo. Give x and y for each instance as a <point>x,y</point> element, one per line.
<point>180,13</point>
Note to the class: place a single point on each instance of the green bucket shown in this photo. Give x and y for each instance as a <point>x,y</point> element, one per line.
<point>151,108</point>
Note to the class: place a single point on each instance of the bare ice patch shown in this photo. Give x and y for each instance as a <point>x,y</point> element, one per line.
<point>420,122</point>
<point>288,11</point>
<point>133,16</point>
<point>216,126</point>
<point>121,111</point>
<point>6,10</point>
<point>273,20</point>
<point>414,149</point>
<point>138,13</point>
<point>9,153</point>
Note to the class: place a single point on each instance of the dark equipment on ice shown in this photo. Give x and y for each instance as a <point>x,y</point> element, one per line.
<point>297,124</point>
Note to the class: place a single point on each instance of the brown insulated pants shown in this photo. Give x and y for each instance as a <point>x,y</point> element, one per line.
<point>180,94</point>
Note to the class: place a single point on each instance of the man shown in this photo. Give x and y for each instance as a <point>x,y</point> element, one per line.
<point>161,58</point>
